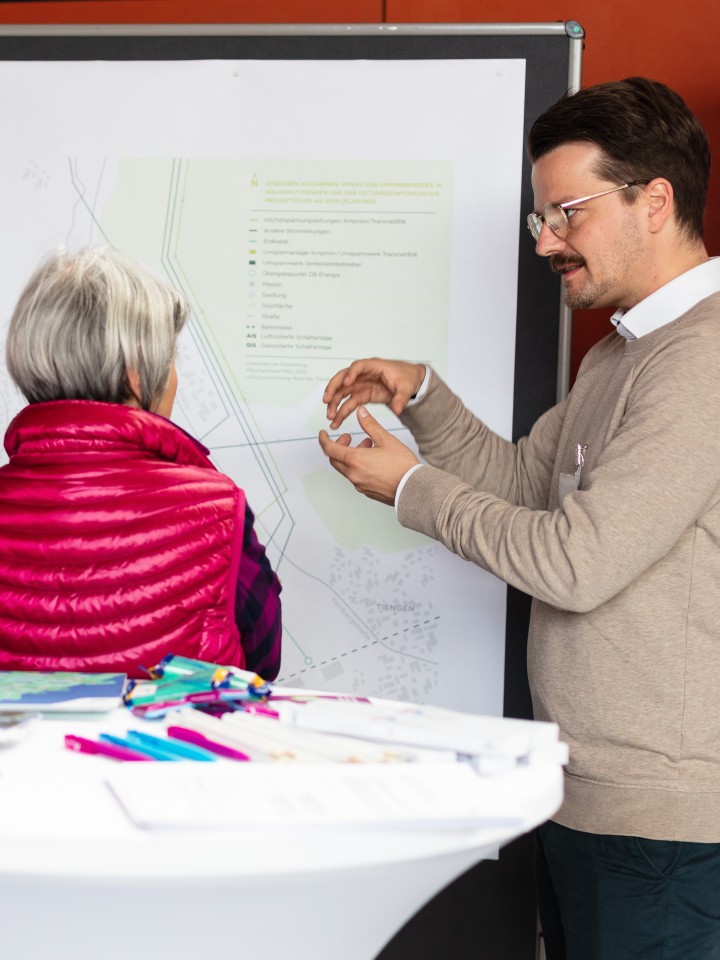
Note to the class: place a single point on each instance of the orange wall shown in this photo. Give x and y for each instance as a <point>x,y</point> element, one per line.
<point>193,11</point>
<point>671,42</point>
<point>676,43</point>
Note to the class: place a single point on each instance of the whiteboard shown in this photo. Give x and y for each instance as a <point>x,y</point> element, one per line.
<point>318,196</point>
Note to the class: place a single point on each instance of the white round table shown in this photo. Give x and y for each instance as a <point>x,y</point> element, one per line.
<point>78,881</point>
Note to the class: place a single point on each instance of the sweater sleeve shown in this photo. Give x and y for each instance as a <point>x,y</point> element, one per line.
<point>455,441</point>
<point>655,472</point>
<point>258,611</point>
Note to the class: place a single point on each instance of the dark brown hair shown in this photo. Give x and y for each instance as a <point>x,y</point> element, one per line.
<point>645,130</point>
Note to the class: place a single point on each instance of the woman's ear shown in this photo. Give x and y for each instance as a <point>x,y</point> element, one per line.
<point>133,382</point>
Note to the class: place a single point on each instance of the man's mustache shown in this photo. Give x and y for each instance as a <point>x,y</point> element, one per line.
<point>559,264</point>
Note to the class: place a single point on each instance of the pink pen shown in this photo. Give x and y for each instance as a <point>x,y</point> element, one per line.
<point>192,736</point>
<point>83,745</point>
<point>260,710</point>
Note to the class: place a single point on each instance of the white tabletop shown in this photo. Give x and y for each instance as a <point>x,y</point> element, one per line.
<point>74,869</point>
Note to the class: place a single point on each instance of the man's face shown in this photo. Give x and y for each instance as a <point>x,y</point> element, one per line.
<point>602,260</point>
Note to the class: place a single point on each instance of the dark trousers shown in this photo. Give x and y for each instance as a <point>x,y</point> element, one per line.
<point>626,898</point>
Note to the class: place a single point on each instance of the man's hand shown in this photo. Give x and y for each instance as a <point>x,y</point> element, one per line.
<point>392,382</point>
<point>376,465</point>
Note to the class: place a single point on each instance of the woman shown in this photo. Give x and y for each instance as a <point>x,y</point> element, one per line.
<point>119,540</point>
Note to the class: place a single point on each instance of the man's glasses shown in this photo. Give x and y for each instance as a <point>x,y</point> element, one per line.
<point>557,215</point>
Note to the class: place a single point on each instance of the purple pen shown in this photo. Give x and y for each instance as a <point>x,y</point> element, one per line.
<point>213,696</point>
<point>193,736</point>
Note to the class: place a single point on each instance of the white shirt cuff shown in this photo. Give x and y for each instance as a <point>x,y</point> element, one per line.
<point>402,483</point>
<point>422,389</point>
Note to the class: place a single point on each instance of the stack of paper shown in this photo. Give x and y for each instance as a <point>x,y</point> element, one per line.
<point>492,744</point>
<point>289,795</point>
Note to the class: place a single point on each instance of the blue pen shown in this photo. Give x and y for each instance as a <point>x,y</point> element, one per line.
<point>175,751</point>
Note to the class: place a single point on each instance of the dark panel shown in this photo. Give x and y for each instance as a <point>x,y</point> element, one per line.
<point>487,914</point>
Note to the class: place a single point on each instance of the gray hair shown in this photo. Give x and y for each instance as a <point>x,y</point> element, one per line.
<point>84,320</point>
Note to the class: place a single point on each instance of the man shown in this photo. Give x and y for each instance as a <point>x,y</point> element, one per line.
<point>608,514</point>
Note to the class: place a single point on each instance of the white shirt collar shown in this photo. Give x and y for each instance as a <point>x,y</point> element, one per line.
<point>670,301</point>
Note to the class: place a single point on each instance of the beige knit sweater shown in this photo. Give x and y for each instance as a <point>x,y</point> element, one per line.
<point>624,646</point>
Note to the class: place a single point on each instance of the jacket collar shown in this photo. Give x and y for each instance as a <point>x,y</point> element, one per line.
<point>71,426</point>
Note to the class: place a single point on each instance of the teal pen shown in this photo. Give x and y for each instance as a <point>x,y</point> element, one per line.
<point>176,751</point>
<point>135,745</point>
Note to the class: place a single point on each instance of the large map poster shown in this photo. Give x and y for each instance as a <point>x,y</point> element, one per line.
<point>312,213</point>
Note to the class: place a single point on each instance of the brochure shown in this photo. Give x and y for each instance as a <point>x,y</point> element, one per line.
<point>64,691</point>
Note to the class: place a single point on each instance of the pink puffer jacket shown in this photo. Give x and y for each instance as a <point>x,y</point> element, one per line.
<point>119,543</point>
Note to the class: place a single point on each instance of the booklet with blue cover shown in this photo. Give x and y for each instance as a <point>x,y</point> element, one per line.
<point>60,690</point>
